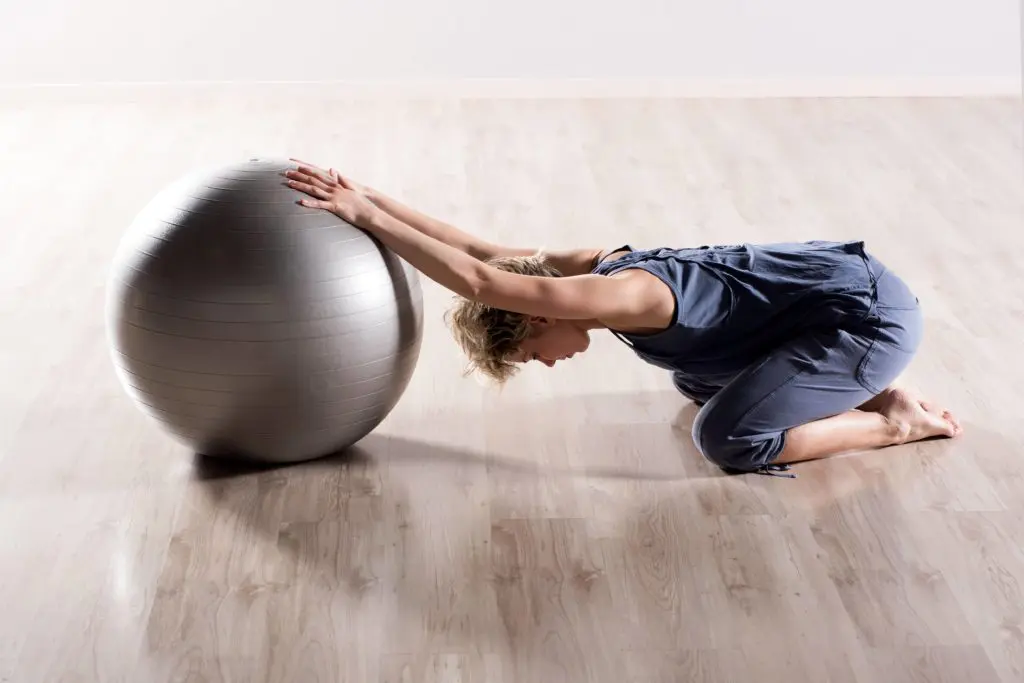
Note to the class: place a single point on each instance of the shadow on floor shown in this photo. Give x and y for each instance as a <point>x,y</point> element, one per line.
<point>379,449</point>
<point>393,449</point>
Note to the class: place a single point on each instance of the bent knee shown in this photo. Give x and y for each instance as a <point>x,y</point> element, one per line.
<point>729,446</point>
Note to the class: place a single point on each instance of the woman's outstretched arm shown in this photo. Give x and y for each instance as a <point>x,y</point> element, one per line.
<point>625,300</point>
<point>573,297</point>
<point>568,262</point>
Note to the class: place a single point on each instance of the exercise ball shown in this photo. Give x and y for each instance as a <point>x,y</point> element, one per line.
<point>250,326</point>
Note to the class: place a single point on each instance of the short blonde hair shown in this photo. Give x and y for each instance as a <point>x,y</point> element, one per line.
<point>490,336</point>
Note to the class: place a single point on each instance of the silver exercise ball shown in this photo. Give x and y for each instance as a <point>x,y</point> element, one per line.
<point>250,326</point>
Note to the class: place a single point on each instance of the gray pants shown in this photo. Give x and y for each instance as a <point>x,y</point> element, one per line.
<point>820,373</point>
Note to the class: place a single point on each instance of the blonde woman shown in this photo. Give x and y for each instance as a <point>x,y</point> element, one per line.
<point>790,349</point>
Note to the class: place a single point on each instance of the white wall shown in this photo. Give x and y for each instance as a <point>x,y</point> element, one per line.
<point>799,44</point>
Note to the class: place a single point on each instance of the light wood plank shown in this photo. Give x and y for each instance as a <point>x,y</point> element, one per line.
<point>564,529</point>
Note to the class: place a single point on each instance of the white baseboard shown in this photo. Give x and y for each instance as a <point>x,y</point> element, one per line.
<point>1009,86</point>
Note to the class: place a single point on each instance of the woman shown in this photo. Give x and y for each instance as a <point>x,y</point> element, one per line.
<point>790,349</point>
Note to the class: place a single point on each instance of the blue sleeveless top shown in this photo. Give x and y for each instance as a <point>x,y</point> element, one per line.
<point>735,303</point>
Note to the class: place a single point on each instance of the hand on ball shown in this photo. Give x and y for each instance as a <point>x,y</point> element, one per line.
<point>330,191</point>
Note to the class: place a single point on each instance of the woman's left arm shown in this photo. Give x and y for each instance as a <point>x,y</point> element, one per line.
<point>603,298</point>
<point>577,297</point>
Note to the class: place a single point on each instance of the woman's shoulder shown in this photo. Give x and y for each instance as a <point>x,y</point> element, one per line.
<point>614,260</point>
<point>608,256</point>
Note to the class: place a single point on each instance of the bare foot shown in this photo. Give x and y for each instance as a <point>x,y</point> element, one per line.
<point>914,418</point>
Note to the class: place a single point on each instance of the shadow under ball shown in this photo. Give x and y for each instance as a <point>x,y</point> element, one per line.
<point>250,326</point>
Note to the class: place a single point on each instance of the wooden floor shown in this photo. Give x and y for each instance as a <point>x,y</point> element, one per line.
<point>564,529</point>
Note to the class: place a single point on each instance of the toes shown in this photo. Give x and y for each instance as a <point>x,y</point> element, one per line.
<point>941,427</point>
<point>948,417</point>
<point>935,425</point>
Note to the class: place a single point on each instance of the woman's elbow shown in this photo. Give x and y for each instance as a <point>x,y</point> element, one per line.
<point>476,285</point>
<point>491,287</point>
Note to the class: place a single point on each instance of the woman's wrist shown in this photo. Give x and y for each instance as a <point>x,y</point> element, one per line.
<point>372,195</point>
<point>375,218</point>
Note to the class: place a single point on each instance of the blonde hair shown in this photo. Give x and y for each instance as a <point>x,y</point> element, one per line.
<point>489,336</point>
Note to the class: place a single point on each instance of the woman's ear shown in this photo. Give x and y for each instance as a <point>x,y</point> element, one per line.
<point>540,321</point>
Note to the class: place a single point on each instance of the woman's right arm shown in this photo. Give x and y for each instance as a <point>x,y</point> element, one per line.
<point>568,261</point>
<point>440,230</point>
